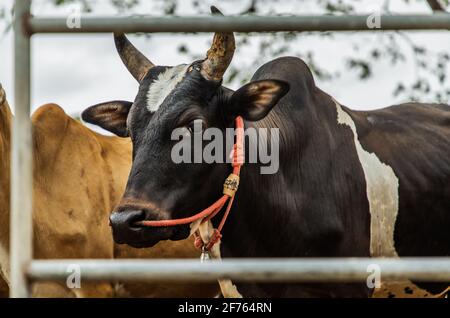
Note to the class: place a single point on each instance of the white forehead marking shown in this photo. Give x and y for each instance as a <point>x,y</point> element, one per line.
<point>382,194</point>
<point>164,85</point>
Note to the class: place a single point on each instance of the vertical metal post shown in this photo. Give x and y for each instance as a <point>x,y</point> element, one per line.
<point>22,169</point>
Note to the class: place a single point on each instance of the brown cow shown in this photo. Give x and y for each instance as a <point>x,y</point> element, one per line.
<point>5,124</point>
<point>79,176</point>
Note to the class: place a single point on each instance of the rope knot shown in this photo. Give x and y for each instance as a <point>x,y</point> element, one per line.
<point>199,244</point>
<point>237,155</point>
<point>215,237</point>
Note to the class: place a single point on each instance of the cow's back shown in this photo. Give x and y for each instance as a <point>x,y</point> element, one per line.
<point>414,140</point>
<point>406,142</point>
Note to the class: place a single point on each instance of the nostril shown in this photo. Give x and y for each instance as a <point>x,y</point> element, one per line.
<point>126,219</point>
<point>134,222</point>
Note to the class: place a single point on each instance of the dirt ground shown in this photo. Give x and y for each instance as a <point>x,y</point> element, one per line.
<point>403,289</point>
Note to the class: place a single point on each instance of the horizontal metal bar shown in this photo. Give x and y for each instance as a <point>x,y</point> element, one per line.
<point>246,270</point>
<point>242,23</point>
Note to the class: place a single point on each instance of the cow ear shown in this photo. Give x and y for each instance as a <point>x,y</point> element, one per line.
<point>111,116</point>
<point>254,100</point>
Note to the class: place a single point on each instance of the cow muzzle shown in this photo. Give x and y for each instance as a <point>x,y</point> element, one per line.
<point>126,229</point>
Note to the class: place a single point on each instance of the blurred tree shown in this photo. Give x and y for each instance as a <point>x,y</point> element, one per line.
<point>362,58</point>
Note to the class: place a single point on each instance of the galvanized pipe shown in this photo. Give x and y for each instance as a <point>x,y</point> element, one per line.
<point>242,23</point>
<point>21,167</point>
<point>245,270</point>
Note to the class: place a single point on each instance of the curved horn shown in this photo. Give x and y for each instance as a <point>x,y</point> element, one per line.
<point>220,54</point>
<point>2,95</point>
<point>137,64</point>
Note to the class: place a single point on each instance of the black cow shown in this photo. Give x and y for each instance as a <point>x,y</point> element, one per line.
<point>350,183</point>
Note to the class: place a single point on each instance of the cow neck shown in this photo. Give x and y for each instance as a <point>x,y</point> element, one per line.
<point>230,187</point>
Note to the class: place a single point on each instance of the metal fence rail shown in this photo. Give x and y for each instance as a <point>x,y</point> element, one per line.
<point>24,270</point>
<point>243,24</point>
<point>247,270</point>
<point>22,160</point>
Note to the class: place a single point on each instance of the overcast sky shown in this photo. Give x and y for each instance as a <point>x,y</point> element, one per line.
<point>76,71</point>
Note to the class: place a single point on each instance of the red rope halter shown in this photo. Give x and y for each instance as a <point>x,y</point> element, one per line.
<point>229,189</point>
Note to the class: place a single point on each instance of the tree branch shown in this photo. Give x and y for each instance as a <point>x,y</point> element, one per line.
<point>251,8</point>
<point>436,6</point>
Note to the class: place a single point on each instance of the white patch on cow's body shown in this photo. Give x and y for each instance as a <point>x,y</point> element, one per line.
<point>382,194</point>
<point>164,85</point>
<point>228,289</point>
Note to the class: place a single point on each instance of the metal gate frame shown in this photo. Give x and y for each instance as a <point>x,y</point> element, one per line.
<point>25,270</point>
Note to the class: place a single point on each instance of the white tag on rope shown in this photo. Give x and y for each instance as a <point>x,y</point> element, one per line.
<point>205,257</point>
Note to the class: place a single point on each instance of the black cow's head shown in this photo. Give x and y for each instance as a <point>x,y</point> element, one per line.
<point>171,98</point>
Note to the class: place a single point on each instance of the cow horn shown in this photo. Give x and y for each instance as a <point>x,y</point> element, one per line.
<point>137,64</point>
<point>2,95</point>
<point>219,55</point>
